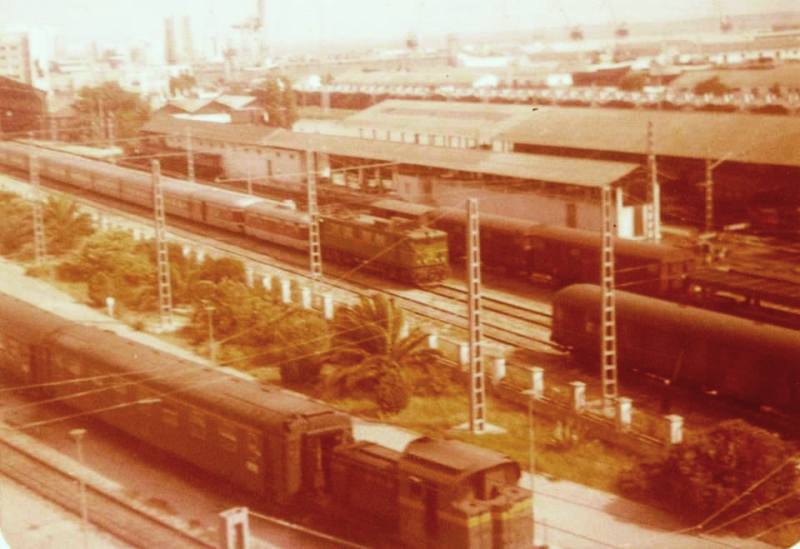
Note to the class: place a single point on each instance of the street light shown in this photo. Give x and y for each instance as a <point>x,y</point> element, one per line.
<point>209,309</point>
<point>77,435</point>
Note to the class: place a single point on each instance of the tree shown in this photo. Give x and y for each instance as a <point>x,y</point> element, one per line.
<point>303,343</point>
<point>711,85</point>
<point>129,111</point>
<point>277,97</point>
<point>65,224</point>
<point>131,275</point>
<point>374,356</point>
<point>700,478</point>
<point>183,84</point>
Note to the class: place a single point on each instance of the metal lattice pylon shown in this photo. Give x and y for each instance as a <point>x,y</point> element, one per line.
<point>189,156</point>
<point>162,251</point>
<point>653,217</point>
<point>314,248</point>
<point>608,330</point>
<point>477,390</point>
<point>709,188</point>
<point>39,248</point>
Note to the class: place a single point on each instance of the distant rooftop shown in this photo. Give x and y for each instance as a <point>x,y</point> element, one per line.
<point>753,138</point>
<point>552,169</point>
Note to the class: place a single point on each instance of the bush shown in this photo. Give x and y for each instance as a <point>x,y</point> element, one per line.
<point>697,479</point>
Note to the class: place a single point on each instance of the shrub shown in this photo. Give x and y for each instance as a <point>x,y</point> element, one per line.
<point>697,479</point>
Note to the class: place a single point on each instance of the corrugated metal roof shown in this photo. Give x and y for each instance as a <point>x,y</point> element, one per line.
<point>235,101</point>
<point>743,79</point>
<point>554,169</point>
<point>756,138</point>
<point>476,120</point>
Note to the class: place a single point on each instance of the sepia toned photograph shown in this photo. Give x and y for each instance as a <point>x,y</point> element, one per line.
<point>421,274</point>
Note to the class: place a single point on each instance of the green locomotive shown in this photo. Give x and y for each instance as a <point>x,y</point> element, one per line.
<point>397,248</point>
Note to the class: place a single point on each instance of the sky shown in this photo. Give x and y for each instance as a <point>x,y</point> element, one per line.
<point>331,21</point>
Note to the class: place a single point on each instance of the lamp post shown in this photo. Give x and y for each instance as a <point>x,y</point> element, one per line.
<point>77,435</point>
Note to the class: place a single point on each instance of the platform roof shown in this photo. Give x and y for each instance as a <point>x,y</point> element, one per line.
<point>553,169</point>
<point>478,120</point>
<point>787,75</point>
<point>750,138</point>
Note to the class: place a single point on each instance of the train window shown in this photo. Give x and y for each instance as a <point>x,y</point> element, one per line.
<point>253,444</point>
<point>197,425</point>
<point>169,416</point>
<point>227,438</point>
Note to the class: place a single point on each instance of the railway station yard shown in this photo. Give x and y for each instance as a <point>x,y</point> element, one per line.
<point>564,449</point>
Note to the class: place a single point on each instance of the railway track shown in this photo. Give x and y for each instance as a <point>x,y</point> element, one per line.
<point>506,323</point>
<point>107,511</point>
<point>523,312</point>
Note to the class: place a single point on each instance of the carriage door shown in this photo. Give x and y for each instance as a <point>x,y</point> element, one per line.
<point>316,452</point>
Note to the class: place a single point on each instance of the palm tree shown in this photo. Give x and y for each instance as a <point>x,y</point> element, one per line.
<point>374,355</point>
<point>65,224</point>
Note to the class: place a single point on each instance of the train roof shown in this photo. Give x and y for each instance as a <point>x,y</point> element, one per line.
<point>172,377</point>
<point>401,207</point>
<point>623,246</point>
<point>225,197</point>
<point>278,211</point>
<point>489,221</point>
<point>25,322</point>
<point>742,334</point>
<point>450,461</point>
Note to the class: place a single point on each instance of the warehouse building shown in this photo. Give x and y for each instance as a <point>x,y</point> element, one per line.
<point>548,189</point>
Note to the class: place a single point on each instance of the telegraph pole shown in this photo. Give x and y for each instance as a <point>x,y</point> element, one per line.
<point>189,156</point>
<point>314,248</point>
<point>38,216</point>
<point>477,387</point>
<point>608,330</point>
<point>653,229</point>
<point>162,251</point>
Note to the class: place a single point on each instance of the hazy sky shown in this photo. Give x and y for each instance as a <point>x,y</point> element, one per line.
<point>304,20</point>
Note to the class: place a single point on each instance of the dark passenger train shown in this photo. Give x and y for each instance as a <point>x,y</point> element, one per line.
<point>276,444</point>
<point>755,363</point>
<point>566,256</point>
<point>412,254</point>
